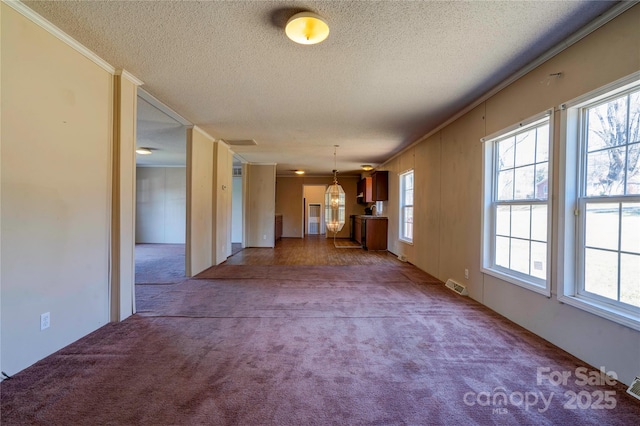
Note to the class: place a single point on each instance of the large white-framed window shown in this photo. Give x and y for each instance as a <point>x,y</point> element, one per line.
<point>406,206</point>
<point>599,212</point>
<point>517,209</point>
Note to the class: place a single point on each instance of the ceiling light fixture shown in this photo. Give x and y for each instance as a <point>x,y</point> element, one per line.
<point>143,151</point>
<point>307,28</point>
<point>367,167</point>
<point>334,202</point>
<point>299,172</point>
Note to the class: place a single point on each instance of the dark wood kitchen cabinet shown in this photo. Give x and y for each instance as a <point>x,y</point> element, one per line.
<point>364,191</point>
<point>374,188</point>
<point>380,186</point>
<point>370,232</point>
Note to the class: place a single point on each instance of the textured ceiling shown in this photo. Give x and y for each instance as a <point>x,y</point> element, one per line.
<point>389,72</point>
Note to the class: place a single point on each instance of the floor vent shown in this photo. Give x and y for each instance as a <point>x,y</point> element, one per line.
<point>457,287</point>
<point>402,258</point>
<point>634,389</point>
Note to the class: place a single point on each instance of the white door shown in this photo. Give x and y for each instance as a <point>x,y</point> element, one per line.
<point>314,213</point>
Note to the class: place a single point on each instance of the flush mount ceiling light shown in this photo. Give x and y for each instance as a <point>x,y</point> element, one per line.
<point>367,167</point>
<point>299,172</point>
<point>143,151</point>
<point>307,28</point>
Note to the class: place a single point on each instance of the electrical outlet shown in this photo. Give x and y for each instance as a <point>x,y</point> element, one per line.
<point>466,274</point>
<point>264,237</point>
<point>45,320</point>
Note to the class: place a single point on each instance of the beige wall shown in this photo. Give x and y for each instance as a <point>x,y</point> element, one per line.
<point>289,193</point>
<point>260,206</point>
<point>57,125</point>
<point>161,201</point>
<point>448,177</point>
<point>200,228</point>
<point>222,198</point>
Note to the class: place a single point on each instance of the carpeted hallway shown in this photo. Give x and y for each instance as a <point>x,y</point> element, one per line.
<point>375,344</point>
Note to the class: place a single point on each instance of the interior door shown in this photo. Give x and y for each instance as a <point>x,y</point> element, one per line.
<point>314,211</point>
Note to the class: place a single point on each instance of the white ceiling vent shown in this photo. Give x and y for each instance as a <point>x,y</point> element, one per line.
<point>457,287</point>
<point>240,142</point>
<point>634,389</point>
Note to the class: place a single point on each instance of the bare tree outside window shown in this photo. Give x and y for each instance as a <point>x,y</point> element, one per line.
<point>613,147</point>
<point>611,182</point>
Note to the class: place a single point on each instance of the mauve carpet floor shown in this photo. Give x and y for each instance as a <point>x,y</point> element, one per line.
<point>160,263</point>
<point>365,345</point>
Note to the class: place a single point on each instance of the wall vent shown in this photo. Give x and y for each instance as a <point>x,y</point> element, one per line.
<point>634,389</point>
<point>240,142</point>
<point>237,171</point>
<point>402,258</point>
<point>457,287</point>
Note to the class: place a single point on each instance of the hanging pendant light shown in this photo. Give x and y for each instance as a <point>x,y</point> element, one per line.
<point>334,202</point>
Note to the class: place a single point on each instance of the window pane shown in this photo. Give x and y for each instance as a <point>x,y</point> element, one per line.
<point>502,251</point>
<point>634,117</point>
<point>525,148</point>
<point>607,124</point>
<point>633,168</point>
<point>630,227</point>
<point>524,183</point>
<point>503,220</point>
<point>630,279</point>
<point>408,197</point>
<point>539,223</point>
<point>542,181</point>
<point>505,185</point>
<point>539,260</point>
<point>542,143</point>
<point>605,172</point>
<point>408,231</point>
<point>520,222</point>
<point>520,255</point>
<point>602,226</point>
<point>408,222</point>
<point>601,273</point>
<point>505,154</point>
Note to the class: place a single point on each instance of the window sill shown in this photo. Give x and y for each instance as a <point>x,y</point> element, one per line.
<point>407,242</point>
<point>604,310</point>
<point>515,280</point>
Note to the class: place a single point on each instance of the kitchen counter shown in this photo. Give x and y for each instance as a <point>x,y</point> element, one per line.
<point>370,231</point>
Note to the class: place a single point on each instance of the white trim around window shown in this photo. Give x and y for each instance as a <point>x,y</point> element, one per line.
<point>574,199</point>
<point>516,218</point>
<point>406,211</point>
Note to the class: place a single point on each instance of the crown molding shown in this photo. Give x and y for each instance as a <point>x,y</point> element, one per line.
<point>132,78</point>
<point>156,103</point>
<point>203,133</point>
<point>59,34</point>
<point>592,26</point>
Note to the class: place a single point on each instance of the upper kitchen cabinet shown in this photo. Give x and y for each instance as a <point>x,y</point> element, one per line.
<point>374,188</point>
<point>380,185</point>
<point>364,191</point>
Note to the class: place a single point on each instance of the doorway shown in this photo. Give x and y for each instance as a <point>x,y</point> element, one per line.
<point>313,216</point>
<point>237,215</point>
<point>160,196</point>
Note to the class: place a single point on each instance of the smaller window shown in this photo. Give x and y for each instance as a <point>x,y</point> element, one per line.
<point>406,206</point>
<point>517,208</point>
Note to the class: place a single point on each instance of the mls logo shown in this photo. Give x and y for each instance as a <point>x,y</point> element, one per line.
<point>499,410</point>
